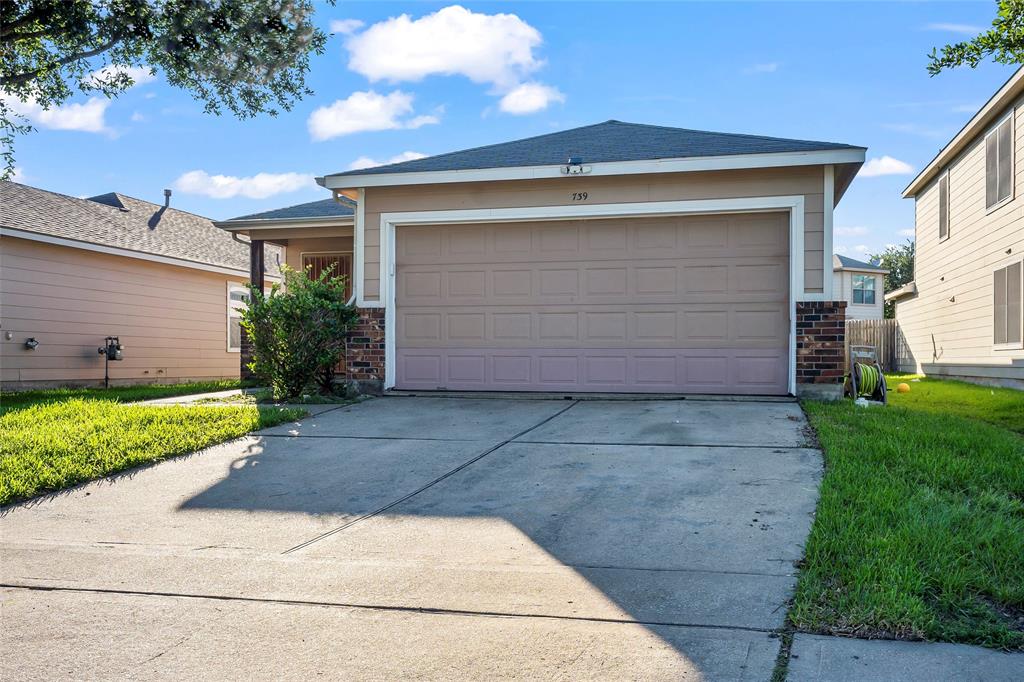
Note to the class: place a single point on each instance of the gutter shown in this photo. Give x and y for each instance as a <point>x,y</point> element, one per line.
<point>908,289</point>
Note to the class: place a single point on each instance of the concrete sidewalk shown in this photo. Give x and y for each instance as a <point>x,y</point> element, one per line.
<point>836,659</point>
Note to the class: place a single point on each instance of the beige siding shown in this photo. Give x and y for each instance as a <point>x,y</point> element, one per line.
<point>806,181</point>
<point>171,320</point>
<point>842,290</point>
<point>950,320</point>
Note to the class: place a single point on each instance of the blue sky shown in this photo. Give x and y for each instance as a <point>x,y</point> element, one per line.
<point>845,72</point>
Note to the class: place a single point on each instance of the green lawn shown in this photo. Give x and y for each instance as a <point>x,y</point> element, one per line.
<point>56,441</point>
<point>919,533</point>
<point>123,394</point>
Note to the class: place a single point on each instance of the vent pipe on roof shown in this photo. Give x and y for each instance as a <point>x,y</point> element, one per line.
<point>167,198</point>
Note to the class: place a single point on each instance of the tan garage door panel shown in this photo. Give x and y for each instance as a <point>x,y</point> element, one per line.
<point>654,304</point>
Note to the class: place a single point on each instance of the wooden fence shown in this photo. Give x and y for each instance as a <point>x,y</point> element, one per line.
<point>884,335</point>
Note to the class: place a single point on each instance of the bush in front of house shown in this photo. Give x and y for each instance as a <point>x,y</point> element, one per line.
<point>297,331</point>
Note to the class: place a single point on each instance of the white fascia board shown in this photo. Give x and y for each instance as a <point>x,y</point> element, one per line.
<point>612,168</point>
<point>126,253</point>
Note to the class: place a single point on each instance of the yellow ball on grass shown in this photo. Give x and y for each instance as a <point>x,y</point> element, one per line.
<point>903,388</point>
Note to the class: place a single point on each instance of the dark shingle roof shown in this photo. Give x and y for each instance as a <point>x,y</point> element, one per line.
<point>126,223</point>
<point>847,262</point>
<point>603,142</point>
<point>325,208</point>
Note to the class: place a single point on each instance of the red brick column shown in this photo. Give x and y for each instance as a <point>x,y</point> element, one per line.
<point>364,356</point>
<point>820,344</point>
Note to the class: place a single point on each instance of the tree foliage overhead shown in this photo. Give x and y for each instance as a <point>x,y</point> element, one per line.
<point>898,259</point>
<point>245,56</point>
<point>1004,42</point>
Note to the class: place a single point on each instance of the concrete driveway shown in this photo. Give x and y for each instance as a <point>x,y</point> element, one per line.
<point>428,537</point>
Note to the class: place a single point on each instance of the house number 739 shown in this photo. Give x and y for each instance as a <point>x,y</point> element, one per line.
<point>579,196</point>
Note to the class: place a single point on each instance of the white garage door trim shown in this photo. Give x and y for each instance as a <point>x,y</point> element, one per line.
<point>389,221</point>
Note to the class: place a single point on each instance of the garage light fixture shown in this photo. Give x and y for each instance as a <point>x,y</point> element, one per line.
<point>574,166</point>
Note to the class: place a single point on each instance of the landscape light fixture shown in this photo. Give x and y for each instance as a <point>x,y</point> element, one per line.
<point>31,343</point>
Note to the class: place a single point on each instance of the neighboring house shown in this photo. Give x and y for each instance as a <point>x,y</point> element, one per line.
<point>612,257</point>
<point>962,314</point>
<point>74,271</point>
<point>861,285</point>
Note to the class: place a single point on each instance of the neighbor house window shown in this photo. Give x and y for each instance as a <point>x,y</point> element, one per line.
<point>1009,310</point>
<point>864,289</point>
<point>944,206</point>
<point>339,262</point>
<point>999,164</point>
<point>238,299</point>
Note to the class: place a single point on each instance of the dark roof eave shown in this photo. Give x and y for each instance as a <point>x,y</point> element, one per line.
<point>846,156</point>
<point>274,223</point>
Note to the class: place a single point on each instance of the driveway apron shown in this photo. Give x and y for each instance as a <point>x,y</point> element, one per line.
<point>428,537</point>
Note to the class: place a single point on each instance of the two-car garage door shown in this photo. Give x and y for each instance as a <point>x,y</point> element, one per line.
<point>696,304</point>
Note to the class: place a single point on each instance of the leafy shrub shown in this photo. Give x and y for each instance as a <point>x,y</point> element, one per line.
<point>298,332</point>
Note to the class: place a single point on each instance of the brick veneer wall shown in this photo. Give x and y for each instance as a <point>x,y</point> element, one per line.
<point>364,357</point>
<point>820,342</point>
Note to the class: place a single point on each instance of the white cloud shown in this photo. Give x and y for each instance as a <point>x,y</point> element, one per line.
<point>909,232</point>
<point>346,26</point>
<point>919,130</point>
<point>138,117</point>
<point>140,74</point>
<point>850,231</point>
<point>966,29</point>
<point>486,48</point>
<point>366,162</point>
<point>529,98</point>
<point>259,186</point>
<point>965,108</point>
<point>18,175</point>
<point>885,165</point>
<point>88,116</point>
<point>364,111</point>
<point>768,67</point>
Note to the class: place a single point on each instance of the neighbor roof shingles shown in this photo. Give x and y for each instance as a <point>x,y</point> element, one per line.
<point>601,143</point>
<point>126,223</point>
<point>847,262</point>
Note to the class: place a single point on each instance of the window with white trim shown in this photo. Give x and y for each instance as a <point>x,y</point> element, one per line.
<point>238,299</point>
<point>999,163</point>
<point>1008,312</point>
<point>864,289</point>
<point>944,206</point>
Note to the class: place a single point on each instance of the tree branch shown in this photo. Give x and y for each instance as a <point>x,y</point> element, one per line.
<point>38,14</point>
<point>22,78</point>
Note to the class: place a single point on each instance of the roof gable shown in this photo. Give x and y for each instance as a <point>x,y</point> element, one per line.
<point>847,263</point>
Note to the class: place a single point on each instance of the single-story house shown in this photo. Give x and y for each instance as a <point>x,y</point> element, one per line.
<point>963,315</point>
<point>861,285</point>
<point>167,283</point>
<point>612,257</point>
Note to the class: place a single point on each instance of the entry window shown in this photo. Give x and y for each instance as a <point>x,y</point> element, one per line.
<point>944,207</point>
<point>1008,312</point>
<point>340,262</point>
<point>864,289</point>
<point>238,299</point>
<point>999,164</point>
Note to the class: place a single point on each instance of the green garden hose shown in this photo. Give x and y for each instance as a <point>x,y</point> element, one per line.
<point>868,378</point>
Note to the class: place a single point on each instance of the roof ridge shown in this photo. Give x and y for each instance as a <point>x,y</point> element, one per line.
<point>496,144</point>
<point>171,208</point>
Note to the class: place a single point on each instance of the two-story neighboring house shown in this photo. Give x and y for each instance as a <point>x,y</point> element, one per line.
<point>962,315</point>
<point>861,285</point>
